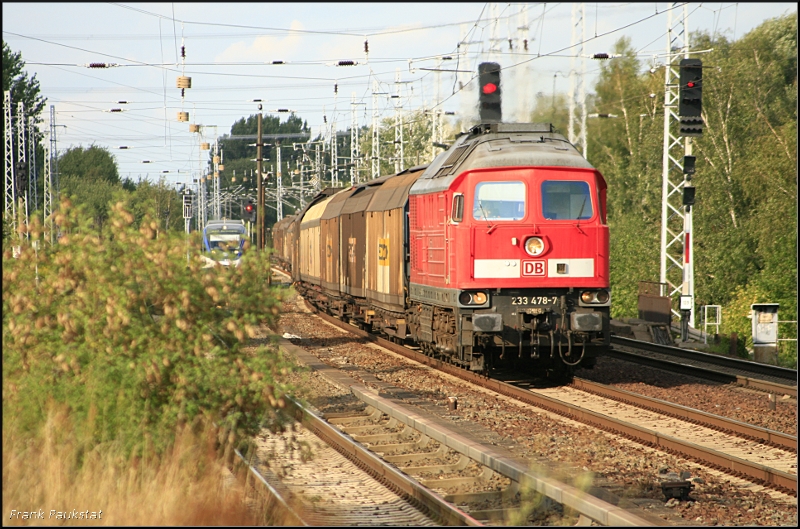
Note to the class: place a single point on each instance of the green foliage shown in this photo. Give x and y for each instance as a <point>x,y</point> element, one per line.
<point>90,177</point>
<point>26,90</point>
<point>235,149</point>
<point>22,88</point>
<point>627,151</point>
<point>92,192</point>
<point>745,218</point>
<point>161,202</point>
<point>417,148</point>
<point>133,340</point>
<point>551,109</point>
<point>93,162</point>
<point>238,155</point>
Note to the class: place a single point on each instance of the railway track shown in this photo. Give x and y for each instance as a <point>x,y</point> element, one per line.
<point>782,478</point>
<point>763,377</point>
<point>317,476</point>
<point>723,424</point>
<point>486,482</point>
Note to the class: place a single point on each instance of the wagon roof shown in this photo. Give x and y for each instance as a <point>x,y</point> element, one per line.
<point>500,145</point>
<point>316,199</point>
<point>394,192</point>
<point>283,223</point>
<point>336,203</point>
<point>313,214</point>
<point>360,198</point>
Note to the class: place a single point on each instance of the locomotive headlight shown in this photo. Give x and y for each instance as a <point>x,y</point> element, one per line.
<point>473,298</point>
<point>534,246</point>
<point>595,297</point>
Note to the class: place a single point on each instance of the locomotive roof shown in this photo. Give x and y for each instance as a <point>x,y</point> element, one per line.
<point>218,223</point>
<point>500,145</point>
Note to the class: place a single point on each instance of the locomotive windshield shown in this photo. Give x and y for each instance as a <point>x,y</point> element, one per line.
<point>499,201</point>
<point>228,238</point>
<point>566,200</point>
<point>222,240</point>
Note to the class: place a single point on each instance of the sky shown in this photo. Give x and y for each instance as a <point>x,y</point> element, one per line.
<point>231,51</point>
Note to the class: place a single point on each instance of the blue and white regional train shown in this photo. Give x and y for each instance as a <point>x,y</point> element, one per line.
<point>223,242</point>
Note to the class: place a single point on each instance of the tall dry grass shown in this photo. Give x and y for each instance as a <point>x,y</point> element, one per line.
<point>55,470</point>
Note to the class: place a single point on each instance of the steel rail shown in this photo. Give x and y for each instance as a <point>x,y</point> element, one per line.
<point>421,497</point>
<point>709,420</point>
<point>707,374</point>
<point>708,358</point>
<point>762,474</point>
<point>291,517</point>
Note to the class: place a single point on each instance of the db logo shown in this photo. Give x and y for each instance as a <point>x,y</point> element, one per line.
<point>533,268</point>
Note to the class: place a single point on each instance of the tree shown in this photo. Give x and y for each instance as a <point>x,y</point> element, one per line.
<point>92,162</point>
<point>161,202</point>
<point>26,90</point>
<point>91,193</point>
<point>627,151</point>
<point>745,217</point>
<point>417,146</point>
<point>22,88</point>
<point>240,153</point>
<point>90,175</point>
<point>747,175</point>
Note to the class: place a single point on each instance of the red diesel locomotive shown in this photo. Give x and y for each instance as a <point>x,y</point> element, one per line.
<point>494,254</point>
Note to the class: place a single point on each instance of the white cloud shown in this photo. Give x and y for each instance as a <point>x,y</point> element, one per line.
<point>266,48</point>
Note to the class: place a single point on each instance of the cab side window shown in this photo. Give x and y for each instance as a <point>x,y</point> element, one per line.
<point>458,208</point>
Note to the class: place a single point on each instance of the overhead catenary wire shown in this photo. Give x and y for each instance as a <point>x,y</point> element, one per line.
<point>218,107</point>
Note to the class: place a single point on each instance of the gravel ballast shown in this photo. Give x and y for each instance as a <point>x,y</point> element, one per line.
<point>563,446</point>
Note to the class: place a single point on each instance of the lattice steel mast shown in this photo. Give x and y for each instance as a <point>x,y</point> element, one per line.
<point>376,143</point>
<point>10,173</point>
<point>677,254</point>
<point>578,138</point>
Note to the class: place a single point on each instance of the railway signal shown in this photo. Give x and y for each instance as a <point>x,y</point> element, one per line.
<point>691,97</point>
<point>490,93</point>
<point>249,211</point>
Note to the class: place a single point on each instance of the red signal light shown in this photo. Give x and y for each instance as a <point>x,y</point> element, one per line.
<point>690,84</point>
<point>249,208</point>
<point>489,88</point>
